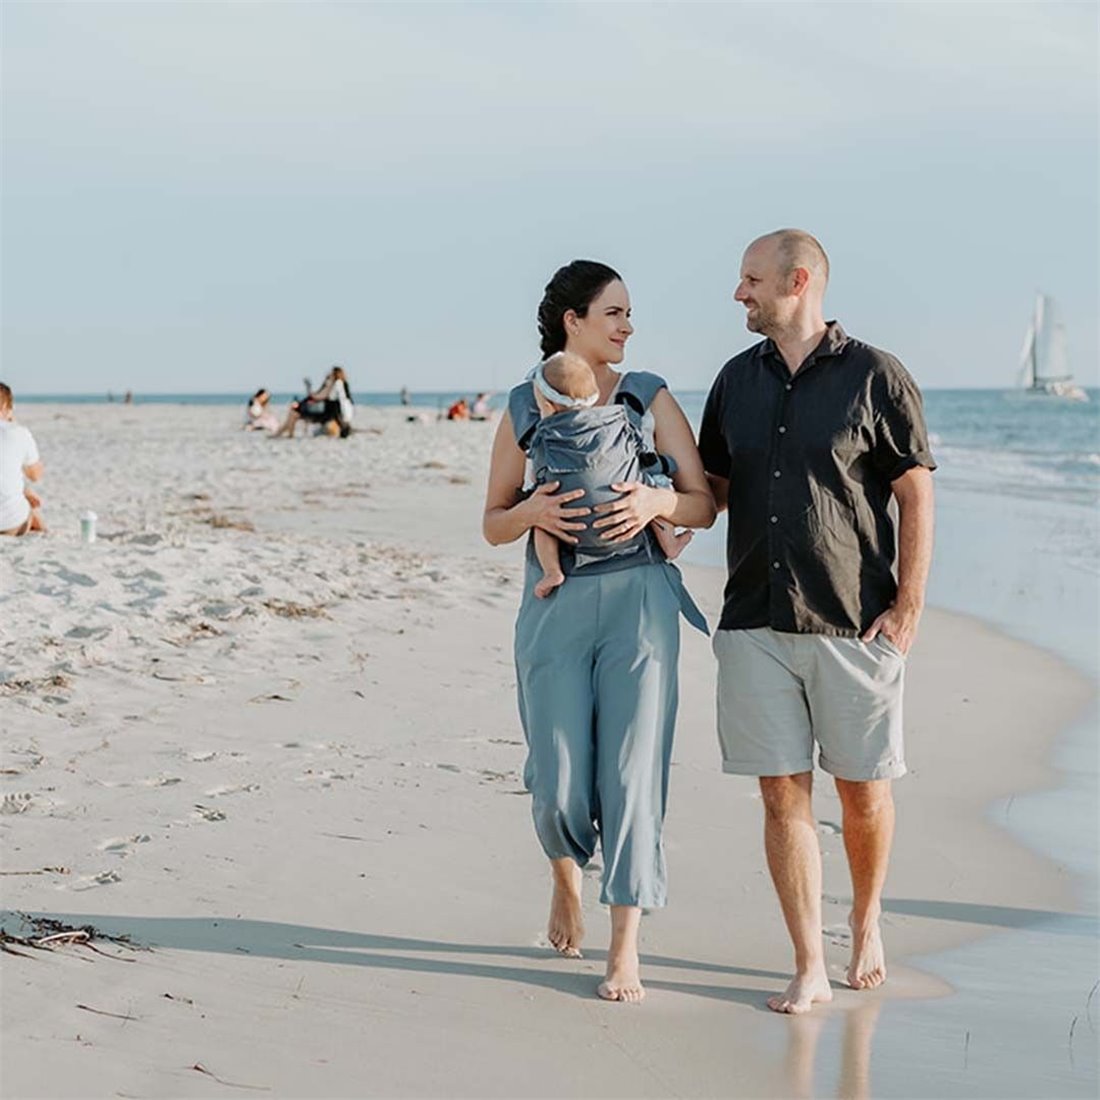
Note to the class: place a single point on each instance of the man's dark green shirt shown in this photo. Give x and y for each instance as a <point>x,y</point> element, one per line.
<point>810,458</point>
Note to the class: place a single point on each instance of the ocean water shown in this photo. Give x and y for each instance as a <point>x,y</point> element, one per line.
<point>423,400</point>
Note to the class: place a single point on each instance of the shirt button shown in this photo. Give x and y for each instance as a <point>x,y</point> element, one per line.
<point>789,386</point>
<point>775,565</point>
<point>782,428</point>
<point>774,519</point>
<point>777,474</point>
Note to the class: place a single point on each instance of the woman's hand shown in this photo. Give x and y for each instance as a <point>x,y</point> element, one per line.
<point>545,510</point>
<point>631,513</point>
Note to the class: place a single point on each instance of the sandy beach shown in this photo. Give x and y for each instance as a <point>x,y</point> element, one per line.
<point>264,730</point>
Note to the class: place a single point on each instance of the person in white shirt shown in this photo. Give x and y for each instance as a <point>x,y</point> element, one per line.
<point>331,407</point>
<point>18,461</point>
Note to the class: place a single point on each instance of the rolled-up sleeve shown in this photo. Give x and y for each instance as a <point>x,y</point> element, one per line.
<point>901,435</point>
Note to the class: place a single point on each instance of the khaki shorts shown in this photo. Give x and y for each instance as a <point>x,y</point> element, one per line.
<point>779,693</point>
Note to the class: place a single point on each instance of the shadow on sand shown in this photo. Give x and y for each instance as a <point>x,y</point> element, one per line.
<point>302,943</point>
<point>995,916</point>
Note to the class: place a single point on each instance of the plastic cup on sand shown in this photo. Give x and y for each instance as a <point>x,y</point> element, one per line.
<point>87,527</point>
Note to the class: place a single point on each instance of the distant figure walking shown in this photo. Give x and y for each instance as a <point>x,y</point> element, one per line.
<point>806,437</point>
<point>406,399</point>
<point>258,417</point>
<point>19,460</point>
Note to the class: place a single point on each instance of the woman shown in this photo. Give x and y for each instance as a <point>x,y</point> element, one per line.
<point>258,416</point>
<point>331,406</point>
<point>596,663</point>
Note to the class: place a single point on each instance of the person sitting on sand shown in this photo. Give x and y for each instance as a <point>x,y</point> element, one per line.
<point>18,460</point>
<point>460,410</point>
<point>481,409</point>
<point>331,405</point>
<point>258,417</point>
<point>578,446</point>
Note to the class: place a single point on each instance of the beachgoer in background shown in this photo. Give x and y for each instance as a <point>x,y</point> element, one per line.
<point>806,437</point>
<point>19,460</point>
<point>128,398</point>
<point>599,449</point>
<point>405,398</point>
<point>258,417</point>
<point>459,410</point>
<point>597,664</point>
<point>481,409</point>
<point>338,401</point>
<point>331,406</point>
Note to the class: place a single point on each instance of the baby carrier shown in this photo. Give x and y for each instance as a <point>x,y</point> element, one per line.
<point>593,449</point>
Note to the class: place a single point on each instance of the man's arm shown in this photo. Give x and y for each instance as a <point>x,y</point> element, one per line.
<point>33,471</point>
<point>913,492</point>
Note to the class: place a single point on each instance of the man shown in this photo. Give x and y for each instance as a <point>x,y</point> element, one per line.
<point>18,460</point>
<point>806,437</point>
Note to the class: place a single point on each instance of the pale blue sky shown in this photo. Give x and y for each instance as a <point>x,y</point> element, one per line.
<point>215,196</point>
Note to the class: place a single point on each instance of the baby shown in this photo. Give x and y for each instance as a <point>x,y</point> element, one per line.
<point>565,377</point>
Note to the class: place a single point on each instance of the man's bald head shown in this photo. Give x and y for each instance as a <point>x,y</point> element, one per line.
<point>795,248</point>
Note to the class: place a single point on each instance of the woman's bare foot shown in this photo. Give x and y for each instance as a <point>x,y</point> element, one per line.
<point>549,582</point>
<point>621,981</point>
<point>803,993</point>
<point>565,929</point>
<point>868,966</point>
<point>671,544</point>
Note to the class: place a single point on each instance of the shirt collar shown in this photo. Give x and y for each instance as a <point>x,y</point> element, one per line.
<point>831,344</point>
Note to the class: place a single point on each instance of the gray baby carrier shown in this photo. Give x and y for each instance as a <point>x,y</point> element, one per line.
<point>593,449</point>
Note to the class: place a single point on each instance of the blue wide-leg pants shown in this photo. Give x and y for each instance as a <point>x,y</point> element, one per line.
<point>596,667</point>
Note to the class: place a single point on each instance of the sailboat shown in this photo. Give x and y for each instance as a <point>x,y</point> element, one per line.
<point>1044,363</point>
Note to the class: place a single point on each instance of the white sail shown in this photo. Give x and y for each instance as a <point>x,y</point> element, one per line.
<point>1056,362</point>
<point>1044,360</point>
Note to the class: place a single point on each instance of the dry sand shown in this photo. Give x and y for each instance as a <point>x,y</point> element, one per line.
<point>266,728</point>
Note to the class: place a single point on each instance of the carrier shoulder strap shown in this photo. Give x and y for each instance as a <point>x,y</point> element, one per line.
<point>524,412</point>
<point>637,390</point>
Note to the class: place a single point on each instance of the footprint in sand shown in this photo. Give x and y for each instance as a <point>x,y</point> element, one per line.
<point>121,845</point>
<point>208,814</point>
<point>201,757</point>
<point>16,803</point>
<point>90,633</point>
<point>840,935</point>
<point>162,781</point>
<point>69,576</point>
<point>828,828</point>
<point>90,882</point>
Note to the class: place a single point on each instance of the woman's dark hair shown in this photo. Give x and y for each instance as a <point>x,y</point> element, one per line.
<point>573,287</point>
<point>258,394</point>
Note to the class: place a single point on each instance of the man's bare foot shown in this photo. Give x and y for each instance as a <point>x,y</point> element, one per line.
<point>671,544</point>
<point>621,981</point>
<point>565,929</point>
<point>549,582</point>
<point>803,993</point>
<point>868,966</point>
